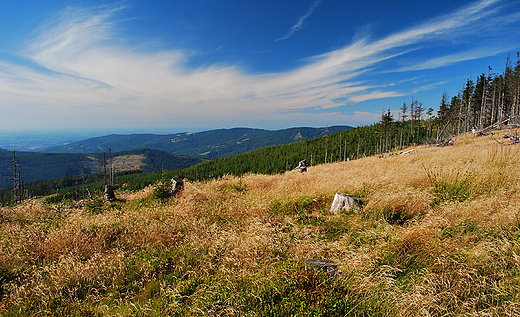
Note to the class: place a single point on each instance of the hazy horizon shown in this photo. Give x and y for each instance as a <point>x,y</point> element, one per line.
<point>39,140</point>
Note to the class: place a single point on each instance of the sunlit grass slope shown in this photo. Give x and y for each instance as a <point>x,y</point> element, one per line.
<point>438,234</point>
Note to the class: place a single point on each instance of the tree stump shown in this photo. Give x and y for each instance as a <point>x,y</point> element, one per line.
<point>302,166</point>
<point>325,266</point>
<point>177,186</point>
<point>342,201</point>
<point>109,193</point>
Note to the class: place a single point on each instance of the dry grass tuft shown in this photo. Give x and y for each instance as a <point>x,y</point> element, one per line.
<point>438,234</point>
<point>399,206</point>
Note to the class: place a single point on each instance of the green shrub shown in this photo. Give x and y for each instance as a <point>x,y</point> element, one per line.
<point>296,291</point>
<point>162,189</point>
<point>241,187</point>
<point>95,205</point>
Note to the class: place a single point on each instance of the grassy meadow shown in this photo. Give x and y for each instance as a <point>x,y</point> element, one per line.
<point>438,234</point>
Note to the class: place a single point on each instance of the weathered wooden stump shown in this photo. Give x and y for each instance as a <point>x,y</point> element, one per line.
<point>326,266</point>
<point>109,193</point>
<point>302,166</point>
<point>177,186</point>
<point>342,201</point>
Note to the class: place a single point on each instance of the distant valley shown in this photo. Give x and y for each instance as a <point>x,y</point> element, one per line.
<point>146,152</point>
<point>46,166</point>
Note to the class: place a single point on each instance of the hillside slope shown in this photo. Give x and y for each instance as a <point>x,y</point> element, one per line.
<point>46,166</point>
<point>437,235</point>
<point>207,144</point>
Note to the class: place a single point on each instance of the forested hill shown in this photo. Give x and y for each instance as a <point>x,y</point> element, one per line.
<point>46,166</point>
<point>334,147</point>
<point>383,137</point>
<point>5,152</point>
<point>208,144</point>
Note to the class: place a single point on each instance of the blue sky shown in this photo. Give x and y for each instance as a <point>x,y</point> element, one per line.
<point>172,66</point>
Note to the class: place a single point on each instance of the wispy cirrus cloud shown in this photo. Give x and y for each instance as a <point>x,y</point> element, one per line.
<point>299,24</point>
<point>83,73</point>
<point>376,95</point>
<point>442,61</point>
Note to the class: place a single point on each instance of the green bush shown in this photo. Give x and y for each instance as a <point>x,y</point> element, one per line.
<point>162,191</point>
<point>95,204</point>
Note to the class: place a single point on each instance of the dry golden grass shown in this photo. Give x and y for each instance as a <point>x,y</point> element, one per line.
<point>409,251</point>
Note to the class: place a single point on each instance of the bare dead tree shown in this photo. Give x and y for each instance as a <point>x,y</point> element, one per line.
<point>345,155</point>
<point>326,144</point>
<point>83,179</point>
<point>17,189</point>
<point>109,166</point>
<point>104,169</point>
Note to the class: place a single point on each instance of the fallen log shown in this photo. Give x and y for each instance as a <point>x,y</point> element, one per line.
<point>406,152</point>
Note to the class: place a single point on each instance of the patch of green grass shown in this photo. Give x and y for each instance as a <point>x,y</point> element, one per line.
<point>464,227</point>
<point>115,205</point>
<point>457,185</point>
<point>335,229</point>
<point>51,307</point>
<point>362,193</point>
<point>330,229</point>
<point>302,205</point>
<point>396,214</point>
<point>143,203</point>
<point>369,233</point>
<point>408,257</point>
<point>310,220</point>
<point>288,290</point>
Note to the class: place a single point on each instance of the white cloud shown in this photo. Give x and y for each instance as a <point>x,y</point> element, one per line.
<point>299,24</point>
<point>93,79</point>
<point>376,95</point>
<point>451,59</point>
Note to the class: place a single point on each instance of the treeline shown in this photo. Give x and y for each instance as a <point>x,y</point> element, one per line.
<point>39,174</point>
<point>40,166</point>
<point>491,102</point>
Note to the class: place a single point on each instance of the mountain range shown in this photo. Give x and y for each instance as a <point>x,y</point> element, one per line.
<point>207,144</point>
<point>146,152</point>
